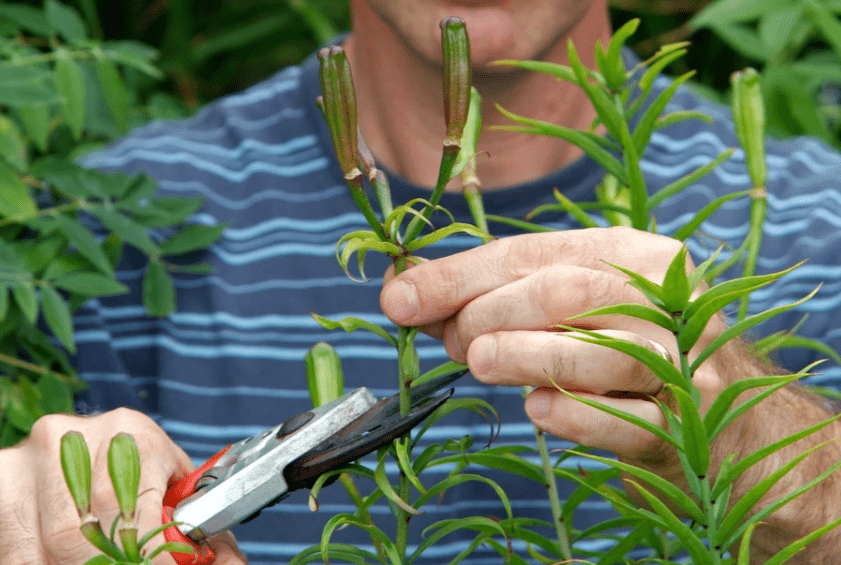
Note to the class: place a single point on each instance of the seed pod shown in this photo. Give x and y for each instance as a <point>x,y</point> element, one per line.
<point>749,119</point>
<point>124,468</point>
<point>76,465</point>
<point>339,104</point>
<point>324,374</point>
<point>458,75</point>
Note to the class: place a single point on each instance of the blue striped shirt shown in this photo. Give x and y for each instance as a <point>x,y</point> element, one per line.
<point>229,363</point>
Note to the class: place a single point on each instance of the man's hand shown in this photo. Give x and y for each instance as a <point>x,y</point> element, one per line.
<point>496,307</point>
<point>39,523</point>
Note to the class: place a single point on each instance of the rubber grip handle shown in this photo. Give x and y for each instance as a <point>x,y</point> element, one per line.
<point>203,554</point>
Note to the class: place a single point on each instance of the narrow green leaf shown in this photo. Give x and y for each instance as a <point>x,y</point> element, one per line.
<point>669,490</point>
<point>388,490</point>
<point>614,68</point>
<point>693,177</point>
<point>647,124</point>
<point>652,291</point>
<point>676,284</point>
<point>744,505</point>
<point>158,291</point>
<point>351,324</point>
<point>100,560</point>
<point>325,377</point>
<point>26,299</point>
<point>124,469</point>
<point>562,72</point>
<point>71,87</point>
<point>57,316</point>
<point>171,547</point>
<point>590,143</point>
<point>727,11</point>
<point>688,229</point>
<point>129,231</point>
<point>114,90</point>
<point>637,421</point>
<point>192,237</point>
<point>441,233</point>
<point>84,242</point>
<point>740,467</point>
<point>634,310</point>
<point>663,368</point>
<point>12,146</point>
<point>574,210</point>
<point>793,548</point>
<point>779,503</point>
<point>76,466</point>
<point>694,546</point>
<point>744,549</point>
<point>89,284</point>
<point>28,17</point>
<point>607,111</point>
<point>716,414</point>
<point>66,21</point>
<point>741,327</point>
<point>15,197</point>
<point>36,122</point>
<point>695,443</point>
<point>827,23</point>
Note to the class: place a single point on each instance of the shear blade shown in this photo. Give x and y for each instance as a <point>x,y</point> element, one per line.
<point>378,426</point>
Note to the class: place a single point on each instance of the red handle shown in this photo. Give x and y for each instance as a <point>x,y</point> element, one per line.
<point>177,492</point>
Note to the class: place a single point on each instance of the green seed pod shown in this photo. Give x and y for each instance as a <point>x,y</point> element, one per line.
<point>124,468</point>
<point>749,119</point>
<point>338,101</point>
<point>324,374</point>
<point>458,75</point>
<point>76,465</point>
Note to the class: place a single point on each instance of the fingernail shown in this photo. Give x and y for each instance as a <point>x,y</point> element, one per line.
<point>401,301</point>
<point>538,404</point>
<point>486,356</point>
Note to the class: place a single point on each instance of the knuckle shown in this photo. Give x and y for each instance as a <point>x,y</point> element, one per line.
<point>64,543</point>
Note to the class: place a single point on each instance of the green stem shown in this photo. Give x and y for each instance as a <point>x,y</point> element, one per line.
<point>409,370</point>
<point>357,192</point>
<point>758,208</point>
<point>92,530</point>
<point>128,535</point>
<point>448,161</point>
<point>359,502</point>
<point>552,491</point>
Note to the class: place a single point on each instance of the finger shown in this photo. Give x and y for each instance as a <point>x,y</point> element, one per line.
<point>18,513</point>
<point>160,460</point>
<point>437,289</point>
<point>226,549</point>
<point>549,359</point>
<point>58,526</point>
<point>563,416</point>
<point>542,300</point>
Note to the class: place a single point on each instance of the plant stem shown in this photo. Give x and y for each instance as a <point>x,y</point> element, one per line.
<point>448,160</point>
<point>552,491</point>
<point>15,362</point>
<point>408,370</point>
<point>353,493</point>
<point>758,208</point>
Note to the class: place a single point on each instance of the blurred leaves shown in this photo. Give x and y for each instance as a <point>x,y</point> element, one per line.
<point>62,227</point>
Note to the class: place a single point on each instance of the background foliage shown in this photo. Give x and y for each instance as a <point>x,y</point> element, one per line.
<point>208,49</point>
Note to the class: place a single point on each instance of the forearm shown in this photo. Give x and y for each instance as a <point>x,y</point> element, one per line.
<point>786,412</point>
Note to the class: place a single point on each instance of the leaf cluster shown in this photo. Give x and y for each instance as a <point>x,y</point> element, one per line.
<point>63,228</point>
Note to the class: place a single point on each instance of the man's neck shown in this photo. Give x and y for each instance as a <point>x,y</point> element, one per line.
<point>400,103</point>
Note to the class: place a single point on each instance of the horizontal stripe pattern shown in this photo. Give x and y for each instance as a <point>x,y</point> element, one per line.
<point>229,363</point>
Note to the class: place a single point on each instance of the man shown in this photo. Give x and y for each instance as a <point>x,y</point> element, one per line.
<point>229,363</point>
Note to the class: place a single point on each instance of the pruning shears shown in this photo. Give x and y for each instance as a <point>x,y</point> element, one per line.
<point>239,481</point>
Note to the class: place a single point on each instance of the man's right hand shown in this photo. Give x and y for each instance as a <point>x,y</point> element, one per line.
<point>39,524</point>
